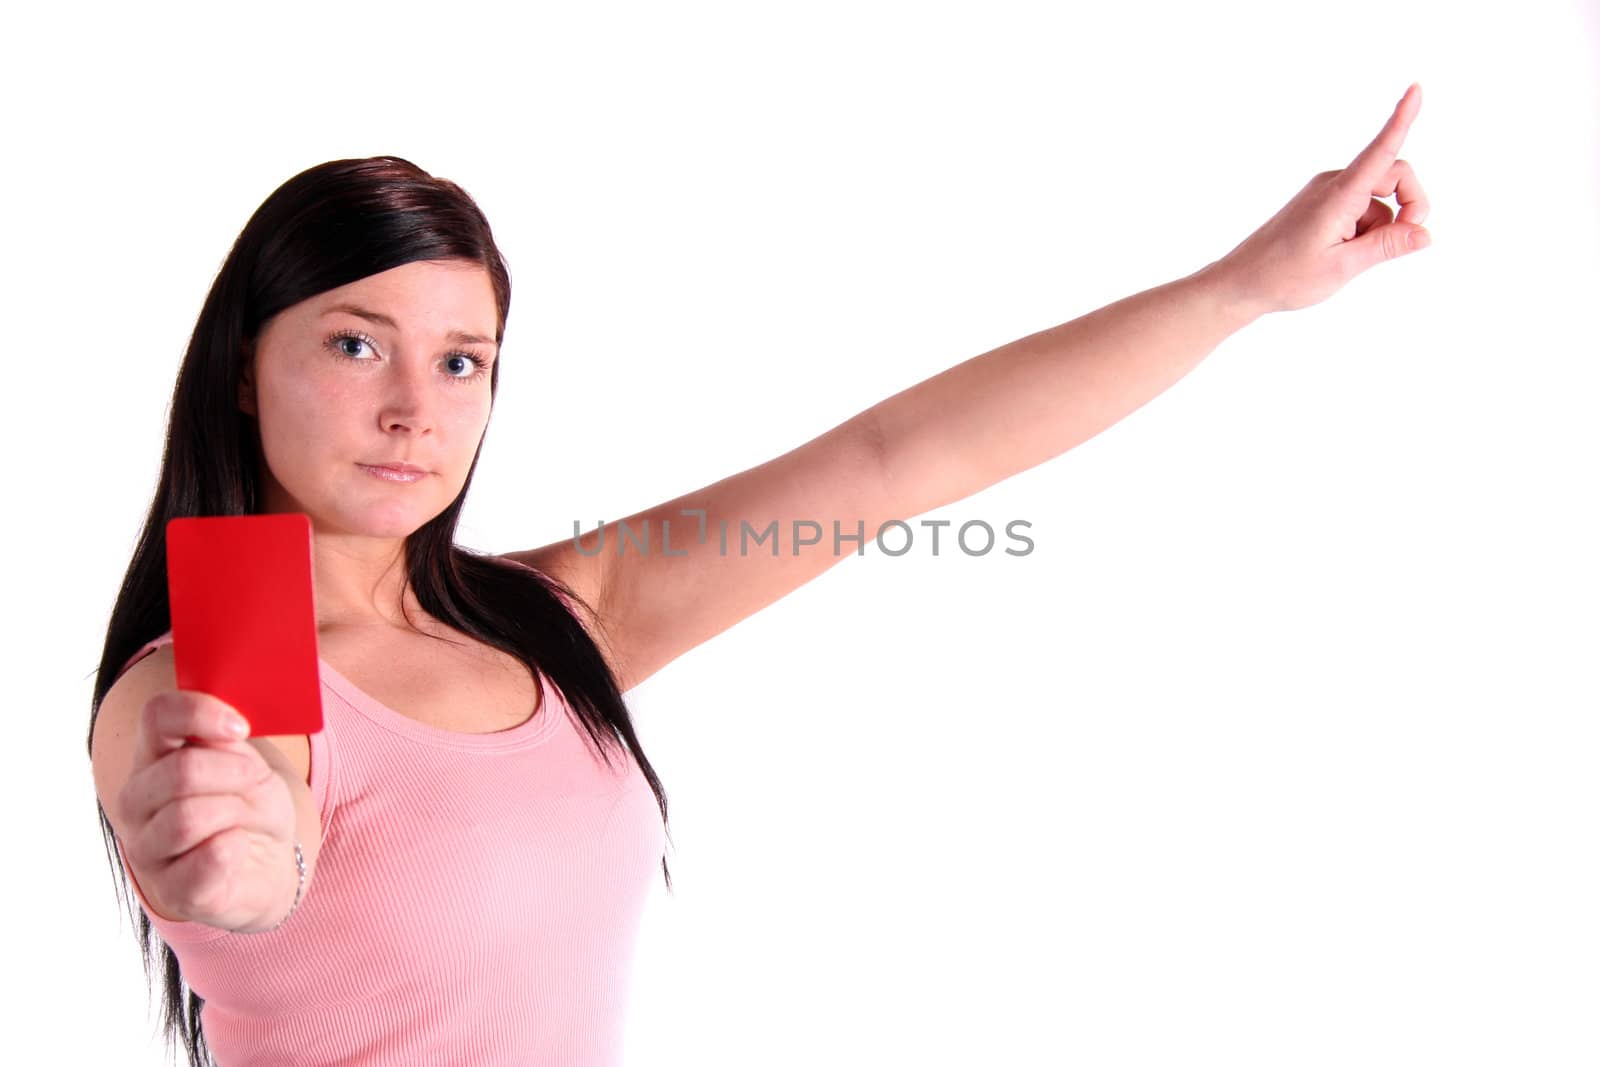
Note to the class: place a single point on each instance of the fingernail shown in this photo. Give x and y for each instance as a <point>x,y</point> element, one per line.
<point>237,726</point>
<point>1421,239</point>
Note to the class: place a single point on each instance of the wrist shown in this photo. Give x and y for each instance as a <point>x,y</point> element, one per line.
<point>1234,298</point>
<point>299,893</point>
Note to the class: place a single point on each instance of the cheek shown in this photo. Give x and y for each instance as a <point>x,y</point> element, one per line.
<point>462,421</point>
<point>304,414</point>
<point>475,416</point>
<point>311,413</point>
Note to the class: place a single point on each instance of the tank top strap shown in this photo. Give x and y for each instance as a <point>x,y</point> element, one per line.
<point>145,650</point>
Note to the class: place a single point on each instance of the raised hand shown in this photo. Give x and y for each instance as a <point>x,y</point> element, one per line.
<point>1335,227</point>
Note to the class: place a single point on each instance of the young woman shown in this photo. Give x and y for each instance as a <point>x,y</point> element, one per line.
<point>454,867</point>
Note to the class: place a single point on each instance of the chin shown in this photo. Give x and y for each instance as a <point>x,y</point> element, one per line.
<point>391,524</point>
<point>387,519</point>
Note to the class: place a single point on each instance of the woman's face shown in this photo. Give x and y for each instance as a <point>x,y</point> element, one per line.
<point>334,390</point>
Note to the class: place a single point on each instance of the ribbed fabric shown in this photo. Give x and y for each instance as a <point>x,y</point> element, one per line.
<point>476,900</point>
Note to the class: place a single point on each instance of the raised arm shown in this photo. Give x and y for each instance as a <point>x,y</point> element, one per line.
<point>981,421</point>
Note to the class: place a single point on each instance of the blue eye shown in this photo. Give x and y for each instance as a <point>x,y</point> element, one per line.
<point>338,338</point>
<point>338,341</point>
<point>479,365</point>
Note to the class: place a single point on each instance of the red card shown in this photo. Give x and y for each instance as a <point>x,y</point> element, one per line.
<point>244,628</point>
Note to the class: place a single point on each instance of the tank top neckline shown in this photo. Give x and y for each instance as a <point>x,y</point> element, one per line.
<point>531,731</point>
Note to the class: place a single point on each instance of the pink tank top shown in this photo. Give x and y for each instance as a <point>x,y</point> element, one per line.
<point>476,900</point>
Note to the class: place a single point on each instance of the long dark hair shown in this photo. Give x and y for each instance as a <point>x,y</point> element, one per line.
<point>328,226</point>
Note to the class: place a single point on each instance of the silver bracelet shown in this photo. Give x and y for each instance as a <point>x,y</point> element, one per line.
<point>300,863</point>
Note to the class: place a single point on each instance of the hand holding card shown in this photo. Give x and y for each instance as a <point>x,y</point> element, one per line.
<point>244,625</point>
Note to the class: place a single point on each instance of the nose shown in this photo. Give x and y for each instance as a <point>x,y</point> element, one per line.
<point>407,403</point>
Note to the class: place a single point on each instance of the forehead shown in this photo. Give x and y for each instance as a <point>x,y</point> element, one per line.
<point>428,298</point>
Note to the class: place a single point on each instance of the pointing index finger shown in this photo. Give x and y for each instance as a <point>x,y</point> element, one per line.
<point>1376,158</point>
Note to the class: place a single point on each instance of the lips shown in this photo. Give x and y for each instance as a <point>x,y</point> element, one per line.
<point>402,468</point>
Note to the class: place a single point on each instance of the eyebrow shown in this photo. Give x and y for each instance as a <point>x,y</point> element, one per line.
<point>384,320</point>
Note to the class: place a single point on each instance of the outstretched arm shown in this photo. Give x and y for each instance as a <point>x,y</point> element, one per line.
<point>1011,409</point>
<point>977,423</point>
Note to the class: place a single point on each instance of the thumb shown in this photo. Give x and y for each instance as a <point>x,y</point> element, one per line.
<point>1388,242</point>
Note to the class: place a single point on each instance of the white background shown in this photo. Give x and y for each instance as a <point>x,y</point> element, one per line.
<point>1279,748</point>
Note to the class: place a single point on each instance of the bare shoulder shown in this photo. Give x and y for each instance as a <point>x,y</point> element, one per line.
<point>116,726</point>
